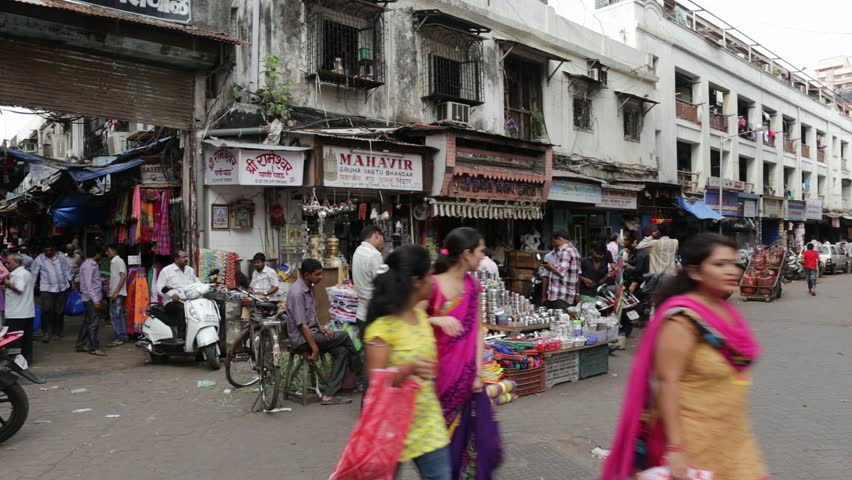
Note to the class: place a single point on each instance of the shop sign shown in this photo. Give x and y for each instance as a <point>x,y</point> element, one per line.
<point>749,208</point>
<point>716,182</point>
<point>730,202</point>
<point>567,191</point>
<point>351,168</point>
<point>617,199</point>
<point>796,210</point>
<point>152,174</point>
<point>813,209</point>
<point>773,208</point>
<point>245,166</point>
<point>171,10</point>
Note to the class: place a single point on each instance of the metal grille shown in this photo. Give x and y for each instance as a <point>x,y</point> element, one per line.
<point>345,45</point>
<point>452,65</point>
<point>583,113</point>
<point>63,80</point>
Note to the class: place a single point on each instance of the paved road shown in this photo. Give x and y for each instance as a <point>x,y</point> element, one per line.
<point>169,427</point>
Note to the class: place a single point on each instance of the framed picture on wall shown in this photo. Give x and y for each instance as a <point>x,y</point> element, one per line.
<point>243,216</point>
<point>219,217</point>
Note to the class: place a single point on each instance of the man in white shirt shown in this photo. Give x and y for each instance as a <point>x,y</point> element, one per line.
<point>264,279</point>
<point>117,295</point>
<point>171,282</point>
<point>365,263</point>
<point>20,307</point>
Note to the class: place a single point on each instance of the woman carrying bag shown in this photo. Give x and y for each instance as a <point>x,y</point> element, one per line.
<point>686,403</point>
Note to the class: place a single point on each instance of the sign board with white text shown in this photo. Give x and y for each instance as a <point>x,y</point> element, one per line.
<point>171,10</point>
<point>257,167</point>
<point>347,167</point>
<point>578,192</point>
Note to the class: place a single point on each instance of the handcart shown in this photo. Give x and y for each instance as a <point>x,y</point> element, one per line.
<point>762,277</point>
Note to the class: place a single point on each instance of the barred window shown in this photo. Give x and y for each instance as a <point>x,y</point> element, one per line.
<point>633,122</point>
<point>583,113</point>
<point>452,65</point>
<point>345,44</point>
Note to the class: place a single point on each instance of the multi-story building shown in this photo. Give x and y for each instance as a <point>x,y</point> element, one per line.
<point>504,100</point>
<point>836,72</point>
<point>733,114</point>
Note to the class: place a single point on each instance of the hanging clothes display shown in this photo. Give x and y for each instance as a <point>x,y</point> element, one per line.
<point>137,299</point>
<point>162,236</point>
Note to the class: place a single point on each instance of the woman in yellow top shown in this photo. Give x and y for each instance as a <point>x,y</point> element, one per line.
<point>399,335</point>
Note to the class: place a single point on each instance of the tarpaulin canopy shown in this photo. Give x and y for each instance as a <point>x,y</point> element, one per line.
<point>699,209</point>
<point>81,174</point>
<point>78,209</point>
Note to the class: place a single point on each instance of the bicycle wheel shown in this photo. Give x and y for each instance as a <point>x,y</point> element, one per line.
<point>269,365</point>
<point>240,363</point>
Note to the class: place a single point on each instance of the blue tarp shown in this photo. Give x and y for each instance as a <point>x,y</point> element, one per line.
<point>699,209</point>
<point>77,209</point>
<point>81,174</point>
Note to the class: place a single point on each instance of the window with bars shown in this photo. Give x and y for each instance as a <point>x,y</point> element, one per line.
<point>452,66</point>
<point>345,44</point>
<point>522,86</point>
<point>633,119</point>
<point>583,113</point>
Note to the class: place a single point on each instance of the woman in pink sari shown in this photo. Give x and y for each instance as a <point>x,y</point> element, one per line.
<point>686,403</point>
<point>454,308</point>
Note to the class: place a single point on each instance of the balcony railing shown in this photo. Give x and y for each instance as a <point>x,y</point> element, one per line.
<point>806,151</point>
<point>688,180</point>
<point>718,122</point>
<point>821,155</point>
<point>769,141</point>
<point>789,146</point>
<point>687,111</point>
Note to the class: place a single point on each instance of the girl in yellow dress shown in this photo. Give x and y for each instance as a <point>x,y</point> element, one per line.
<point>399,335</point>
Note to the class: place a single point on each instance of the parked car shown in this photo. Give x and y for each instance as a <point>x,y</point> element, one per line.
<point>834,259</point>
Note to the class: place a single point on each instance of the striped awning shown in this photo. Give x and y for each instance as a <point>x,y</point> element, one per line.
<point>487,210</point>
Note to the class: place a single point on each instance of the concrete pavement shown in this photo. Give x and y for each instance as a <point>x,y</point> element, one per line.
<point>169,427</point>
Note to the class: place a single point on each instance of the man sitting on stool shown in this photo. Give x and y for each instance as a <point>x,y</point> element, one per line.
<point>173,279</point>
<point>307,335</point>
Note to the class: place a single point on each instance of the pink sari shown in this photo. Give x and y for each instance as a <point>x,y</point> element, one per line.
<point>639,445</point>
<point>456,355</point>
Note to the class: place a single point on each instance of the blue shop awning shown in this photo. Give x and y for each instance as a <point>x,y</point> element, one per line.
<point>81,174</point>
<point>699,209</point>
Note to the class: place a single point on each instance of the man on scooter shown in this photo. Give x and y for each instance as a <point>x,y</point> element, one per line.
<point>172,280</point>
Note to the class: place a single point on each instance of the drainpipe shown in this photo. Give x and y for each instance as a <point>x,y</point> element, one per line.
<point>255,45</point>
<point>237,132</point>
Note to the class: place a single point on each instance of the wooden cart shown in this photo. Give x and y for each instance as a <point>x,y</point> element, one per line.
<point>765,293</point>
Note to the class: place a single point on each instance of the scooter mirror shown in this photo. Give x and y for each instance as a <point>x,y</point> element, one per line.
<point>165,290</point>
<point>213,272</point>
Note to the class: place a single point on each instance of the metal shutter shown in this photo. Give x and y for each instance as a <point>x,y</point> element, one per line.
<point>53,78</point>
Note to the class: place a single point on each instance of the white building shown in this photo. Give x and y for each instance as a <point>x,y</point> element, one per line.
<point>836,72</point>
<point>712,79</point>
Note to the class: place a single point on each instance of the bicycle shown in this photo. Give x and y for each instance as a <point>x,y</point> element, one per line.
<point>255,355</point>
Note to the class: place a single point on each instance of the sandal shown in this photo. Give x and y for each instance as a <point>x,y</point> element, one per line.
<point>336,401</point>
<point>115,343</point>
<point>98,353</point>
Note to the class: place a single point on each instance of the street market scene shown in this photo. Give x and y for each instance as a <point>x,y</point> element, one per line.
<point>383,239</point>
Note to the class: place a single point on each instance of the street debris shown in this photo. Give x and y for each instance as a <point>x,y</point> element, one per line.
<point>279,409</point>
<point>37,422</point>
<point>81,410</point>
<point>600,453</point>
<point>206,383</point>
<point>79,390</point>
<point>114,415</point>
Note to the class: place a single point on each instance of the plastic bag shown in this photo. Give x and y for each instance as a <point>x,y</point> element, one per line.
<point>663,473</point>
<point>37,319</point>
<point>375,445</point>
<point>74,303</point>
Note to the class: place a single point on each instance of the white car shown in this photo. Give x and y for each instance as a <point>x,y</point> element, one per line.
<point>834,259</point>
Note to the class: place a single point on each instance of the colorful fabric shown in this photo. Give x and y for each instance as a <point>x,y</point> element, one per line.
<point>137,300</point>
<point>563,282</point>
<point>639,439</point>
<point>408,342</point>
<point>475,451</point>
<point>456,355</point>
<point>162,234</point>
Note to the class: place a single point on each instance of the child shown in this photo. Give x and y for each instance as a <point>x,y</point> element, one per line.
<point>399,335</point>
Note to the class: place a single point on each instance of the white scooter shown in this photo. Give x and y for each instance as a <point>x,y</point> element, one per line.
<point>160,336</point>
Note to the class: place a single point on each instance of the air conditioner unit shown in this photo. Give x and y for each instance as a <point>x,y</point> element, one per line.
<point>454,112</point>
<point>597,72</point>
<point>117,142</point>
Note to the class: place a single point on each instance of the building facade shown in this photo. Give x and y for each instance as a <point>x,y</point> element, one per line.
<point>734,116</point>
<point>836,72</point>
<point>500,97</point>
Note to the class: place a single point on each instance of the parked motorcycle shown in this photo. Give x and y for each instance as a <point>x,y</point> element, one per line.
<point>793,269</point>
<point>14,404</point>
<point>160,331</point>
